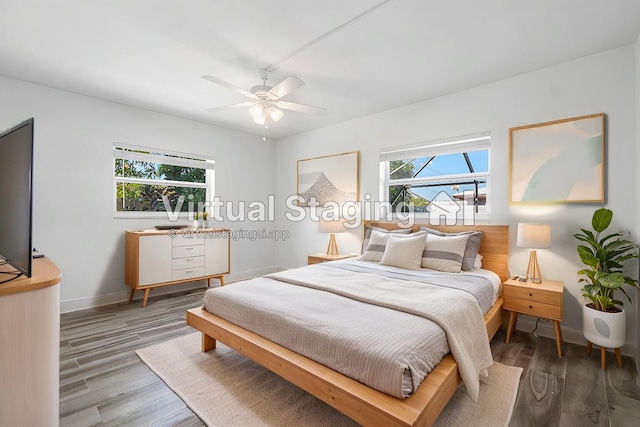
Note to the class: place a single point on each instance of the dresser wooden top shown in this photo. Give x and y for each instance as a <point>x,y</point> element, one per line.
<point>176,231</point>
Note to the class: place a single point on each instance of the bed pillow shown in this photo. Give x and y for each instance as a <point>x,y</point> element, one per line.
<point>471,250</point>
<point>444,253</point>
<point>378,243</point>
<point>478,264</point>
<point>404,252</point>
<point>367,234</point>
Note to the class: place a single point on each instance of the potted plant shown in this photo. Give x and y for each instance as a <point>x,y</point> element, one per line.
<point>195,219</point>
<point>205,223</point>
<point>603,318</point>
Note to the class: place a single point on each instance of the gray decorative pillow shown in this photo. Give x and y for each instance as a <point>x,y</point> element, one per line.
<point>367,234</point>
<point>471,250</point>
<point>444,253</point>
<point>378,243</point>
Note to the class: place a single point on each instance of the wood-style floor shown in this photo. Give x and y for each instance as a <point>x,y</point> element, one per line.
<point>103,382</point>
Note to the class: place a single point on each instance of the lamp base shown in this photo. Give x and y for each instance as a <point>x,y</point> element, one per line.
<point>533,269</point>
<point>332,249</point>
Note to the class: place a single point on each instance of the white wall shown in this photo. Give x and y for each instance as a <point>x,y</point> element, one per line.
<point>637,194</point>
<point>595,84</point>
<point>73,185</point>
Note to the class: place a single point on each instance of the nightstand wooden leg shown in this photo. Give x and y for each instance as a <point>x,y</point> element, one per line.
<point>512,323</point>
<point>589,346</point>
<point>131,294</point>
<point>618,358</point>
<point>603,358</point>
<point>556,326</point>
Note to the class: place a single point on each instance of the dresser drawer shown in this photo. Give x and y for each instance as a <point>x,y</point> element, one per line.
<point>188,251</point>
<point>181,240</point>
<point>189,262</point>
<point>188,273</point>
<point>530,293</point>
<point>533,308</point>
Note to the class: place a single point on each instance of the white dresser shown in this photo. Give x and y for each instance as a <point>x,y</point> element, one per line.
<point>167,257</point>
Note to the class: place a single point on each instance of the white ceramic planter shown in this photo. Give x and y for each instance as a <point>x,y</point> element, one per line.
<point>603,329</point>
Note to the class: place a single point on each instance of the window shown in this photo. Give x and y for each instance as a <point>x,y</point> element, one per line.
<point>149,182</point>
<point>439,177</point>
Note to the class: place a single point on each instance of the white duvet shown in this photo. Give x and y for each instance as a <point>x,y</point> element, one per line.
<point>385,332</point>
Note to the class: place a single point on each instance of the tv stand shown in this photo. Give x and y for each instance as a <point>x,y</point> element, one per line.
<point>30,346</point>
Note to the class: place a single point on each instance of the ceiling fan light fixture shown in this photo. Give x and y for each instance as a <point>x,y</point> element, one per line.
<point>256,110</point>
<point>275,113</point>
<point>260,119</point>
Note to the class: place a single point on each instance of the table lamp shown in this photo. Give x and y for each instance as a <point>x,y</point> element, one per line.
<point>332,227</point>
<point>534,236</point>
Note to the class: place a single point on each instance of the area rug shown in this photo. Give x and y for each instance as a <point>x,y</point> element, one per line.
<point>225,388</point>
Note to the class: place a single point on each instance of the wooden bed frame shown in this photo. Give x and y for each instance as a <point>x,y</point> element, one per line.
<point>363,404</point>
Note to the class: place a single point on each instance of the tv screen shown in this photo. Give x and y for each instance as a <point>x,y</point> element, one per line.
<point>16,173</point>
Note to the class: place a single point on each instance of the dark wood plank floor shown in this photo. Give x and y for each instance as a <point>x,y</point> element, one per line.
<point>104,383</point>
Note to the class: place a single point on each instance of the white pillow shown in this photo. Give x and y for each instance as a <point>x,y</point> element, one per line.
<point>404,252</point>
<point>378,243</point>
<point>478,262</point>
<point>444,253</point>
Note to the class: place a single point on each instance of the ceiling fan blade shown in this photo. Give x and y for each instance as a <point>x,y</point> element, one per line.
<point>288,85</point>
<point>301,108</point>
<point>229,107</point>
<point>230,86</point>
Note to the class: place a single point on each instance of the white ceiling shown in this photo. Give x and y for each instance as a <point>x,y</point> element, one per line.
<point>152,53</point>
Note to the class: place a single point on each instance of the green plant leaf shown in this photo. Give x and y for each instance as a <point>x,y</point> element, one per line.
<point>587,256</point>
<point>601,219</point>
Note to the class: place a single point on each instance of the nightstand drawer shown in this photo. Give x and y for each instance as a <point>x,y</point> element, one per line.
<point>533,308</point>
<point>530,293</point>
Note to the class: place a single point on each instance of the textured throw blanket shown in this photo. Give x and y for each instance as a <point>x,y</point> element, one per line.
<point>456,312</point>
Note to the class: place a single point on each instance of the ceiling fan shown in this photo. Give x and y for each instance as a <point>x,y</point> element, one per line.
<point>266,102</point>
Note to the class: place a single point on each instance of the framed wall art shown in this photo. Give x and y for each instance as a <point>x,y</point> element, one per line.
<point>333,178</point>
<point>558,162</point>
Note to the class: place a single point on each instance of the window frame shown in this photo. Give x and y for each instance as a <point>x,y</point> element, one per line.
<point>162,156</point>
<point>455,145</point>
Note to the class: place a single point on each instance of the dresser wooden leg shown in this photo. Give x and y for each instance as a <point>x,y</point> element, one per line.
<point>146,295</point>
<point>131,294</point>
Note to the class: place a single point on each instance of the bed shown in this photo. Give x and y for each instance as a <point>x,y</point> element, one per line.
<point>363,403</point>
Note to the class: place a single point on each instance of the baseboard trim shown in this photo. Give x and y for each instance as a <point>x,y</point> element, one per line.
<point>545,329</point>
<point>68,306</point>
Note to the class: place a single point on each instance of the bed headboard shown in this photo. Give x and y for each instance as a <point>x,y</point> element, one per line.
<point>494,246</point>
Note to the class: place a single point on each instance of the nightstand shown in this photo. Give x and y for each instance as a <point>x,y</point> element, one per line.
<point>542,300</point>
<point>322,257</point>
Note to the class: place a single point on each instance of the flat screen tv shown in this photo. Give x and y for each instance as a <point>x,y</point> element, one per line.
<point>16,200</point>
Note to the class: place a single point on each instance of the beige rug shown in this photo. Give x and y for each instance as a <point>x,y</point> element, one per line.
<point>226,389</point>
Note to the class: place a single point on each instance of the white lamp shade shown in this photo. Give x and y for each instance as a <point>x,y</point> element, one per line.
<point>275,113</point>
<point>330,226</point>
<point>534,236</point>
<point>256,110</point>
